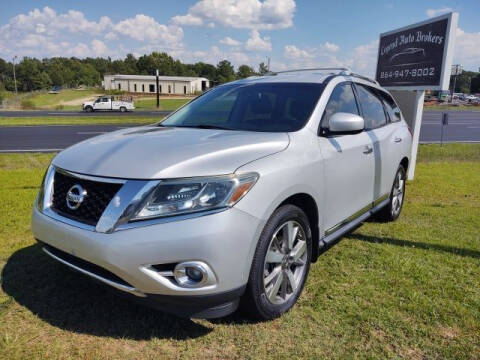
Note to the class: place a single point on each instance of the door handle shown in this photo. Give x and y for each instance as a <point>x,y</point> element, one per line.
<point>367,149</point>
<point>397,139</point>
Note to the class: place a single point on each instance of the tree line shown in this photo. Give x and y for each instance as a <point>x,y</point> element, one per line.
<point>34,74</point>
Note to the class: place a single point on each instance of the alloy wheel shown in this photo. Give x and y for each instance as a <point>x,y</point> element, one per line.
<point>285,262</point>
<point>397,193</point>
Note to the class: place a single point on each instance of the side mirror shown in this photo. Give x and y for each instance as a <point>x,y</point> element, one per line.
<point>346,123</point>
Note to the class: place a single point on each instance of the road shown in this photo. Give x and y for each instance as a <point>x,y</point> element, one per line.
<point>50,113</point>
<point>463,127</point>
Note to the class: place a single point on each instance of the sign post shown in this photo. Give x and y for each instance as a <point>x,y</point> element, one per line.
<point>158,88</point>
<point>413,59</point>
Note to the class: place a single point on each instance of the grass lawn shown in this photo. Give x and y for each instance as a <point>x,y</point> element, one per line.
<point>78,120</point>
<point>44,100</point>
<point>165,104</point>
<point>409,289</point>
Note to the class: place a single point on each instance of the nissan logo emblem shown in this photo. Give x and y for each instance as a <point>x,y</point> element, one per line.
<point>75,196</point>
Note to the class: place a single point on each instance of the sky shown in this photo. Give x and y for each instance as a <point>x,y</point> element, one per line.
<point>293,34</point>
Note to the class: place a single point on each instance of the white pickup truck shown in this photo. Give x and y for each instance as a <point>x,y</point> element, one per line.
<point>107,103</point>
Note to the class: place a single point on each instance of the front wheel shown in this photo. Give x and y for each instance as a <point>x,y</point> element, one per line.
<point>280,265</point>
<point>392,210</point>
<point>89,109</point>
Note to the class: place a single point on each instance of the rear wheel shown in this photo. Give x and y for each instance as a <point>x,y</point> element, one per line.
<point>281,264</point>
<point>123,109</point>
<point>392,210</point>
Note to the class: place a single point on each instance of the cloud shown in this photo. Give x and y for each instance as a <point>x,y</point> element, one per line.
<point>331,47</point>
<point>230,42</point>
<point>436,12</point>
<point>257,43</point>
<point>189,20</point>
<point>293,52</point>
<point>99,47</point>
<point>243,14</point>
<point>111,36</point>
<point>41,33</point>
<point>146,28</point>
<point>467,49</point>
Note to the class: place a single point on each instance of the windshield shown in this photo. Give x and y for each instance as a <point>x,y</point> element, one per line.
<point>270,107</point>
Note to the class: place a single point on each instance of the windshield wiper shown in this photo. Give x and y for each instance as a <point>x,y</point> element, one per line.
<point>206,127</point>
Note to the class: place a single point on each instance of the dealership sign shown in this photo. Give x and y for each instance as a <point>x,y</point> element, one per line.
<point>418,56</point>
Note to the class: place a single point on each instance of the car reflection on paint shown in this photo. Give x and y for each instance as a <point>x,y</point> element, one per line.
<point>408,56</point>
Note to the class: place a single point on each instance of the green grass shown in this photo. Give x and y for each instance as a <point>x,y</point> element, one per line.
<point>44,100</point>
<point>165,104</point>
<point>78,120</point>
<point>408,289</point>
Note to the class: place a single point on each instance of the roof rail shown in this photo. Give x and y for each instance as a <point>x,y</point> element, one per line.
<point>339,69</point>
<point>364,78</point>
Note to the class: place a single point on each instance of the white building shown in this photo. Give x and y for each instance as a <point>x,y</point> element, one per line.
<point>178,85</point>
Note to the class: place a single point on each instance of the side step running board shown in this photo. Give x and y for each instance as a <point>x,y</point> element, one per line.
<point>334,237</point>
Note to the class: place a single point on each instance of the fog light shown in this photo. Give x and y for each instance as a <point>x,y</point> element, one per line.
<point>193,274</point>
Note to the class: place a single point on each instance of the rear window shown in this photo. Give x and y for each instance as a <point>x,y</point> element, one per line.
<point>393,110</point>
<point>372,108</point>
<point>269,107</point>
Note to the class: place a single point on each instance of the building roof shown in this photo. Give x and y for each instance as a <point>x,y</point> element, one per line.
<point>152,77</point>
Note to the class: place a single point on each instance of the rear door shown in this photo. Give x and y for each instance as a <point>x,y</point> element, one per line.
<point>392,141</point>
<point>349,164</point>
<point>381,135</point>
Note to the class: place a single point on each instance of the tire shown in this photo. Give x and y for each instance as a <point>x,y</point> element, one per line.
<point>392,210</point>
<point>123,109</point>
<point>89,109</point>
<point>269,291</point>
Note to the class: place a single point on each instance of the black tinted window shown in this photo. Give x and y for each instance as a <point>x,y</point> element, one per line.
<point>271,107</point>
<point>372,107</point>
<point>341,100</point>
<point>393,110</point>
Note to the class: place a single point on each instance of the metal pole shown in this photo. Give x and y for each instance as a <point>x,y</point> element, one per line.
<point>158,90</point>
<point>14,77</point>
<point>444,122</point>
<point>441,130</point>
<point>453,90</point>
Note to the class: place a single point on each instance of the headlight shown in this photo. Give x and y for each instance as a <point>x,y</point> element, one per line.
<point>175,197</point>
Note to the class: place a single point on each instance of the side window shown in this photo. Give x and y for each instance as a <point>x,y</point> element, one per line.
<point>372,107</point>
<point>341,100</point>
<point>393,110</point>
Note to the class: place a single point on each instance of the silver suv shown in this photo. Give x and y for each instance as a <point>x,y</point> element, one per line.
<point>231,198</point>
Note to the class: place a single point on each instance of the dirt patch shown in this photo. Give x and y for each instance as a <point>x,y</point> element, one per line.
<point>79,101</point>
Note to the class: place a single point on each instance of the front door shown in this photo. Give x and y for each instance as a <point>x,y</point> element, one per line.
<point>349,164</point>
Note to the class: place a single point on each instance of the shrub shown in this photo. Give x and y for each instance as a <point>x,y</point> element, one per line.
<point>59,107</point>
<point>27,104</point>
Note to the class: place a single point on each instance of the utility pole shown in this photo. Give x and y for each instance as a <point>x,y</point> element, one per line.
<point>158,90</point>
<point>456,70</point>
<point>268,63</point>
<point>14,77</point>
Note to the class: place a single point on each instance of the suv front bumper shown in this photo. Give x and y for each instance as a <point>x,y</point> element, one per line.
<point>225,241</point>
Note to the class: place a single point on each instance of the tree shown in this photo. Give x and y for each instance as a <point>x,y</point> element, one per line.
<point>262,69</point>
<point>463,81</point>
<point>245,71</point>
<point>225,72</point>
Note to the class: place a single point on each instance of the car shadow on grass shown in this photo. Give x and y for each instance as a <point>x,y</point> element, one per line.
<point>73,302</point>
<point>417,244</point>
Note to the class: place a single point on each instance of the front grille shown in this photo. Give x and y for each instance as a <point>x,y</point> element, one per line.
<point>86,265</point>
<point>98,196</point>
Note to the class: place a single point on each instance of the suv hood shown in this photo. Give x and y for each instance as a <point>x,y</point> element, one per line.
<point>87,103</point>
<point>166,152</point>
